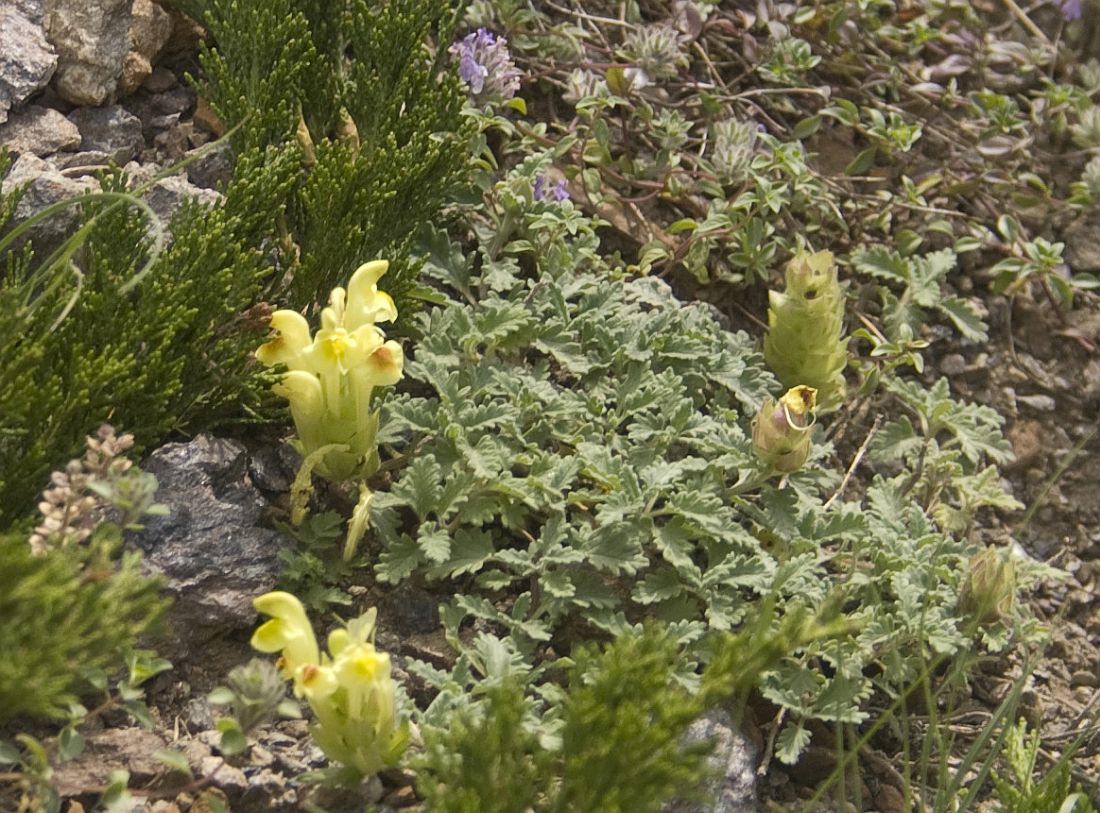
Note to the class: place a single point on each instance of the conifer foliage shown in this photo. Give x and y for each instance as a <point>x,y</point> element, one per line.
<point>362,89</point>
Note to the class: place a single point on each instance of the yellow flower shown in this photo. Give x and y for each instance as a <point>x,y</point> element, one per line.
<point>332,374</point>
<point>288,632</point>
<point>366,304</point>
<point>315,682</point>
<point>364,674</point>
<point>350,690</point>
<point>291,340</point>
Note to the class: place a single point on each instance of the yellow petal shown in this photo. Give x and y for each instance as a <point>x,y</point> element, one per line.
<point>798,402</point>
<point>386,364</point>
<point>292,338</point>
<point>366,304</point>
<point>366,276</point>
<point>271,636</point>
<point>314,682</point>
<point>337,349</point>
<point>288,630</point>
<point>337,641</point>
<point>279,604</point>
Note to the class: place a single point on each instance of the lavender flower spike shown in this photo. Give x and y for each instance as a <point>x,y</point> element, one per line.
<point>486,66</point>
<point>559,192</point>
<point>1071,9</point>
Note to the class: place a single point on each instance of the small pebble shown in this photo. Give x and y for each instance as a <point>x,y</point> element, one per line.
<point>1085,678</point>
<point>260,756</point>
<point>953,364</point>
<point>402,797</point>
<point>227,777</point>
<point>1040,403</point>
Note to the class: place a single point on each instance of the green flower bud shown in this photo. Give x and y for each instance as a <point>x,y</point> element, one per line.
<point>781,430</point>
<point>989,588</point>
<point>804,344</point>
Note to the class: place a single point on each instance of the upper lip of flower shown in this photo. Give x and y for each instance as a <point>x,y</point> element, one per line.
<point>287,631</point>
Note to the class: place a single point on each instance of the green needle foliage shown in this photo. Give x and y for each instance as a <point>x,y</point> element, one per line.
<point>378,116</point>
<point>606,736</point>
<point>117,328</point>
<point>1019,792</point>
<point>71,612</point>
<point>154,339</point>
<point>619,748</point>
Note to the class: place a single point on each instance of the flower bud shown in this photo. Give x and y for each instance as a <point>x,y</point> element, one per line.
<point>805,322</point>
<point>781,430</point>
<point>989,588</point>
<point>347,132</point>
<point>305,141</point>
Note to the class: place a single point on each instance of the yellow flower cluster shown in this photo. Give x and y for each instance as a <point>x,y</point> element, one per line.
<point>349,688</point>
<point>332,374</point>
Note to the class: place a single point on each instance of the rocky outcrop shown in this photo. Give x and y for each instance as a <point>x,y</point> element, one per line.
<point>27,60</point>
<point>212,547</point>
<point>40,131</point>
<point>92,41</point>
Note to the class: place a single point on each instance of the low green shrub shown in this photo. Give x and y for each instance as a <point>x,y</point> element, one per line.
<point>578,459</point>
<point>67,614</point>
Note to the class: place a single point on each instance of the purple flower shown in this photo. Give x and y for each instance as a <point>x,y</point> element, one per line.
<point>486,66</point>
<point>558,192</point>
<point>471,71</point>
<point>1071,9</point>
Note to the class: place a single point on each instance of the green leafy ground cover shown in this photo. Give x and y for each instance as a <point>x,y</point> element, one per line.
<point>581,281</point>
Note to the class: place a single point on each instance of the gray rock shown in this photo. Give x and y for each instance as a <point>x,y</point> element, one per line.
<point>31,9</point>
<point>1040,403</point>
<point>1083,245</point>
<point>408,610</point>
<point>953,364</point>
<point>212,548</point>
<point>81,163</point>
<point>112,130</point>
<point>268,793</point>
<point>92,40</point>
<point>27,61</point>
<point>273,468</point>
<point>173,144</point>
<point>229,778</point>
<point>213,168</point>
<point>733,761</point>
<point>40,131</point>
<point>199,714</point>
<point>160,80</point>
<point>171,193</point>
<point>168,121</point>
<point>106,751</point>
<point>179,100</point>
<point>44,186</point>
